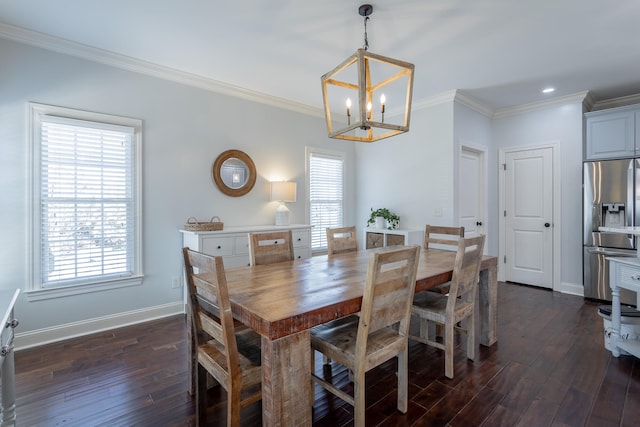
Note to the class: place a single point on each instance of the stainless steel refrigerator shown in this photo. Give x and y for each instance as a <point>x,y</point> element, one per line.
<point>609,199</point>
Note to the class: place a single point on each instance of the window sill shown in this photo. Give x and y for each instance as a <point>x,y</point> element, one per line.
<point>66,291</point>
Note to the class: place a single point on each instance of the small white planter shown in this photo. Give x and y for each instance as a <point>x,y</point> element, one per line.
<point>380,222</point>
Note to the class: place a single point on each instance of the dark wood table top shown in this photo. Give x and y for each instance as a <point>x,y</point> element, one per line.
<point>282,299</point>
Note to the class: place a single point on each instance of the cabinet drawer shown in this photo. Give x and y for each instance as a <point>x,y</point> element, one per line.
<point>217,245</point>
<point>236,261</point>
<point>374,240</point>
<point>395,239</point>
<point>629,277</point>
<point>300,238</point>
<point>301,252</point>
<point>241,245</point>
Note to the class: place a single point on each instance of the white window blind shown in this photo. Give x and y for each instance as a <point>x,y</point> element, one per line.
<point>326,184</point>
<point>87,201</point>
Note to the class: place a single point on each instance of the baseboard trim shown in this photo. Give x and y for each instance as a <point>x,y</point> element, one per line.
<point>571,289</point>
<point>90,326</point>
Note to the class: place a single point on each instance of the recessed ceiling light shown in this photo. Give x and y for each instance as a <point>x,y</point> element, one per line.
<point>548,90</point>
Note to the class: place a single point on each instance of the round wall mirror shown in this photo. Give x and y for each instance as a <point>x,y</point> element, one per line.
<point>234,173</point>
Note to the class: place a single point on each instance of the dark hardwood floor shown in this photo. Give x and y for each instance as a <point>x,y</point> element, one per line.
<point>549,368</point>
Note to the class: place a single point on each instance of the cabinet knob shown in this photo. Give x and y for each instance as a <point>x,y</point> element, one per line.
<point>219,247</point>
<point>479,223</point>
<point>635,277</point>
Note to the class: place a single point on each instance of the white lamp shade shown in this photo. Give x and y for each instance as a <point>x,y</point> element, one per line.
<point>283,191</point>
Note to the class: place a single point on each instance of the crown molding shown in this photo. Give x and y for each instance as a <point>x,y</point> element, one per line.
<point>616,102</point>
<point>468,101</point>
<point>519,109</point>
<point>588,102</point>
<point>432,101</point>
<point>79,50</point>
<point>450,96</point>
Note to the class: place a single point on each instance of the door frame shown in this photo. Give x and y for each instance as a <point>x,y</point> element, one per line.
<point>556,222</point>
<point>482,153</point>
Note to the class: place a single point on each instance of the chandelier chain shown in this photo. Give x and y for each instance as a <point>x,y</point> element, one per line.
<point>366,40</point>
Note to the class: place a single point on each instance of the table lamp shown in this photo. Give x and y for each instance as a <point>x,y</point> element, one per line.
<point>282,191</point>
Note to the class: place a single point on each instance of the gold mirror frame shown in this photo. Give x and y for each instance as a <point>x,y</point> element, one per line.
<point>251,173</point>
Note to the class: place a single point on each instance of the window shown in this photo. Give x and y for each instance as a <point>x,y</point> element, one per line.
<point>326,190</point>
<point>85,201</point>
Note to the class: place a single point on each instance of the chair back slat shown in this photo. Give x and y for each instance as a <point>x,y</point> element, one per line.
<point>206,292</point>
<point>389,289</point>
<point>341,240</point>
<point>211,327</point>
<point>271,247</point>
<point>442,236</point>
<point>466,270</point>
<point>210,308</point>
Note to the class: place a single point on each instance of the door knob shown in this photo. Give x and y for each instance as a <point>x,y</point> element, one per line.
<point>478,223</point>
<point>547,225</point>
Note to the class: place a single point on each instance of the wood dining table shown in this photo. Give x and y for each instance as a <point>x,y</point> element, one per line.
<point>283,301</point>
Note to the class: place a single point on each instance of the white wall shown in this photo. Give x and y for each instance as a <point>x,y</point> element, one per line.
<point>562,124</point>
<point>416,173</point>
<point>184,129</point>
<point>410,174</point>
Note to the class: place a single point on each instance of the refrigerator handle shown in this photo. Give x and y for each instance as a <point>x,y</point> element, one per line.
<point>611,252</point>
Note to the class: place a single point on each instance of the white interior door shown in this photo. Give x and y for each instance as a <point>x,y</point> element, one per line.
<point>471,194</point>
<point>529,217</point>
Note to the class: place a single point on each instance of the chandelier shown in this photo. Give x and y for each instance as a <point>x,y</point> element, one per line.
<point>368,96</point>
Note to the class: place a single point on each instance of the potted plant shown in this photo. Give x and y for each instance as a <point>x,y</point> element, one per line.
<point>384,214</point>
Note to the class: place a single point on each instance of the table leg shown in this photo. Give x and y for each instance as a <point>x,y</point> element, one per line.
<point>488,301</point>
<point>286,381</point>
<point>8,391</point>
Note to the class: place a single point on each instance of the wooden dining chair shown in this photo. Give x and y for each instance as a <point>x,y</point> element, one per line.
<point>270,247</point>
<point>450,310</point>
<point>341,240</point>
<point>379,333</point>
<point>443,238</point>
<point>233,360</point>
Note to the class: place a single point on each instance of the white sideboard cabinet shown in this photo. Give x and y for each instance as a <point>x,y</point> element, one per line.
<point>380,237</point>
<point>233,243</point>
<point>612,133</point>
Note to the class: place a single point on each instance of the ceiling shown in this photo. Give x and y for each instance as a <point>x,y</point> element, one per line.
<point>499,52</point>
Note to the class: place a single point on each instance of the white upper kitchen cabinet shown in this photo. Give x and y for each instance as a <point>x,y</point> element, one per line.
<point>612,133</point>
